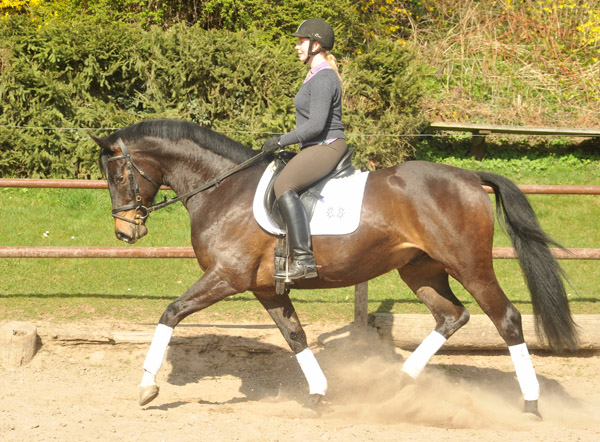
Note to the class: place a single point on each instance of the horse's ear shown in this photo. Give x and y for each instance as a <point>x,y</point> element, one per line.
<point>102,142</point>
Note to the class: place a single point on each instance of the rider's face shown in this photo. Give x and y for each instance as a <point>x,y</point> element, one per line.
<point>302,47</point>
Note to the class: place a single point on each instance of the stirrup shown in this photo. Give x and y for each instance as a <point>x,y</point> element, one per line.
<point>297,271</point>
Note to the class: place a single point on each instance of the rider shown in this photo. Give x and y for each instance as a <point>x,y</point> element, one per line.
<point>319,132</point>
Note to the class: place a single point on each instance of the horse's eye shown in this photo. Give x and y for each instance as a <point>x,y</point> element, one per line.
<point>120,179</point>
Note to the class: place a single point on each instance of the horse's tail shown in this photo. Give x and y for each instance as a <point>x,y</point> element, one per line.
<point>543,274</point>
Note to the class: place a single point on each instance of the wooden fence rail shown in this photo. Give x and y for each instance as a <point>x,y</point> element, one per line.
<point>101,184</point>
<point>361,290</point>
<point>188,252</point>
<point>55,184</point>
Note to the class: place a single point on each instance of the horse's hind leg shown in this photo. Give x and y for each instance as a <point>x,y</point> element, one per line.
<point>486,290</point>
<point>429,281</point>
<point>282,311</point>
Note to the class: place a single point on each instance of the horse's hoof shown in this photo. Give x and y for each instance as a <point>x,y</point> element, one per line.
<point>147,394</point>
<point>406,379</point>
<point>531,409</point>
<point>313,407</point>
<point>314,401</point>
<point>405,382</point>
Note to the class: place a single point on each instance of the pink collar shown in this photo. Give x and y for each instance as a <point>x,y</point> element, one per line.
<point>319,67</point>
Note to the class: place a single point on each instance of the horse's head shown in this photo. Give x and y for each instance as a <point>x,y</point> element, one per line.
<point>131,186</point>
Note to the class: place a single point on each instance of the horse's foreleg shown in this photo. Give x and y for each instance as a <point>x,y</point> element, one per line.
<point>205,292</point>
<point>282,311</point>
<point>153,362</point>
<point>429,281</point>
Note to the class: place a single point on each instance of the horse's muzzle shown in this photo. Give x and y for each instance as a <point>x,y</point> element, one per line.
<point>132,237</point>
<point>130,232</point>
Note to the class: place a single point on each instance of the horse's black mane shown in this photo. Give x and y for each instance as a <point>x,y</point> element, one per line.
<point>176,130</point>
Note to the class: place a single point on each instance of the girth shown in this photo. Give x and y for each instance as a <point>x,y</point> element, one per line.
<point>312,194</point>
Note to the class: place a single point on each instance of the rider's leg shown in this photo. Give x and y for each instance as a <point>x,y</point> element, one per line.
<point>307,167</point>
<point>299,239</point>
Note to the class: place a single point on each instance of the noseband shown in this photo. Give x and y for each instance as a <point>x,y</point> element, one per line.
<point>141,211</point>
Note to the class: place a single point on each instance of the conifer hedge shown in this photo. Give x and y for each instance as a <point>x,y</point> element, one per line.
<point>83,73</point>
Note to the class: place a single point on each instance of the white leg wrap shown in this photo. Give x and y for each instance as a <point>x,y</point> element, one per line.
<point>158,348</point>
<point>419,358</point>
<point>317,383</point>
<point>148,379</point>
<point>525,372</point>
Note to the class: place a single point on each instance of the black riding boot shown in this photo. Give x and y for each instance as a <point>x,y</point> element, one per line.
<point>298,236</point>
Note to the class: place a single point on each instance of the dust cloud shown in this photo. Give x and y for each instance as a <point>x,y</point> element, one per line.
<point>367,386</point>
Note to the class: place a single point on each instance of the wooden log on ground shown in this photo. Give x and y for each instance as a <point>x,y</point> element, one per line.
<point>408,331</point>
<point>18,343</point>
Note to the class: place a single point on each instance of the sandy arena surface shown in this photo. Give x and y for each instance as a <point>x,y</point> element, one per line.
<point>240,382</point>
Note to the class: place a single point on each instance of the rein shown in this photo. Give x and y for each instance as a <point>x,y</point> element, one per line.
<point>145,211</point>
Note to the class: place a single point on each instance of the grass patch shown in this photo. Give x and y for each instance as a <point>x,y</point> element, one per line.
<point>140,289</point>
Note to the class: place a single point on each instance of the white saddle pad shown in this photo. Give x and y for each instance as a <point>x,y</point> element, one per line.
<point>337,213</point>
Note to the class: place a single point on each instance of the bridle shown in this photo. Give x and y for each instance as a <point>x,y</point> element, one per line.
<point>141,211</point>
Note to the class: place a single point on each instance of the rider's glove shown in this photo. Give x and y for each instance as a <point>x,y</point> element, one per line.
<point>272,144</point>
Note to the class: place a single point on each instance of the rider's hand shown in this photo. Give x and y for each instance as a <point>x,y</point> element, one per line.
<point>272,144</point>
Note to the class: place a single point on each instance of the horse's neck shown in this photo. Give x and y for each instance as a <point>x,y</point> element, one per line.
<point>193,172</point>
<point>191,169</point>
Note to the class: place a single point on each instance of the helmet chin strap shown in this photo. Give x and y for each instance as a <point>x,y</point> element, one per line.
<point>311,53</point>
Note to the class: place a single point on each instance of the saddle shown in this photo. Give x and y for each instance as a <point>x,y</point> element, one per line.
<point>312,194</point>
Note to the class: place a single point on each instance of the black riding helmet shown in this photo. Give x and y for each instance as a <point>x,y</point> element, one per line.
<point>316,29</point>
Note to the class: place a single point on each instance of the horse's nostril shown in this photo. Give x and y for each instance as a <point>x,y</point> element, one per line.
<point>123,237</point>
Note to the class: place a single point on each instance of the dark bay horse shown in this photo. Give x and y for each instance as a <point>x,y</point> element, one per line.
<point>425,220</point>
